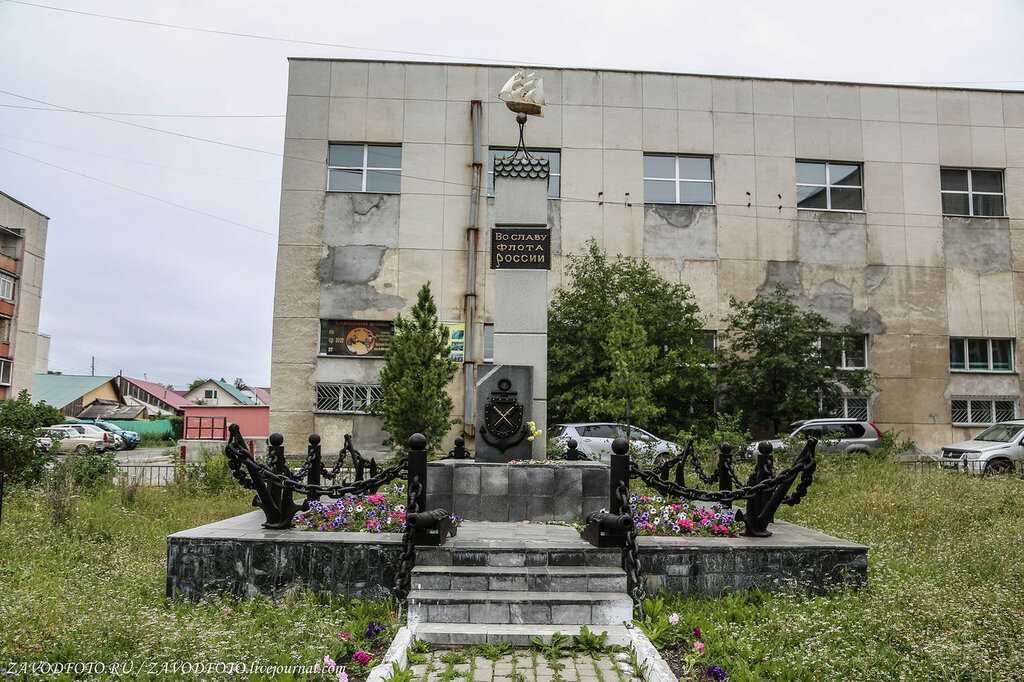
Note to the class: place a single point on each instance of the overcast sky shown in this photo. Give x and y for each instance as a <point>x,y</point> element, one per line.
<point>156,290</point>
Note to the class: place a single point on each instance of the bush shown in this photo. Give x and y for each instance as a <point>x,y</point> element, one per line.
<point>154,440</point>
<point>177,427</point>
<point>20,459</point>
<point>209,475</point>
<point>90,471</point>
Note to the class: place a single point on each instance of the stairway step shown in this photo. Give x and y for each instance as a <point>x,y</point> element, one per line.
<point>520,578</point>
<point>451,634</point>
<point>516,607</point>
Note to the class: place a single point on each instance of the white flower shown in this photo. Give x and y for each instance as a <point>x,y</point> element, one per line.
<point>673,619</point>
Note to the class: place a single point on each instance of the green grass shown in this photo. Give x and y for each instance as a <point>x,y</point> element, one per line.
<point>94,591</point>
<point>944,601</point>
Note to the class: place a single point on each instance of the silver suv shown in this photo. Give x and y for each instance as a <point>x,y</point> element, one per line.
<point>834,435</point>
<point>996,450</point>
<point>595,440</point>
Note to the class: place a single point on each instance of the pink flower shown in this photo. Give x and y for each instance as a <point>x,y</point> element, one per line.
<point>342,676</point>
<point>361,657</point>
<point>697,634</point>
<point>376,499</point>
<point>673,619</point>
<point>698,647</point>
<point>344,636</point>
<point>329,663</point>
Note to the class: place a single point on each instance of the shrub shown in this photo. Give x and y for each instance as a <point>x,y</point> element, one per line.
<point>209,475</point>
<point>20,459</point>
<point>177,427</point>
<point>91,471</point>
<point>59,495</point>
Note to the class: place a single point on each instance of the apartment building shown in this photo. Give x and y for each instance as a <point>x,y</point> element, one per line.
<point>22,253</point>
<point>899,209</point>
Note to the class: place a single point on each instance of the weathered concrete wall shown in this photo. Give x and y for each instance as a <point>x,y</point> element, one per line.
<point>30,252</point>
<point>906,274</point>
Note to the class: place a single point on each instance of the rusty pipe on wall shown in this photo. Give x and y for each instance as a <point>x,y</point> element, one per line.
<point>472,244</point>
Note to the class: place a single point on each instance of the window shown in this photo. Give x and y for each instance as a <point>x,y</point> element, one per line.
<point>598,431</point>
<point>488,342</point>
<point>981,355</point>
<point>347,398</point>
<point>5,372</point>
<point>554,157</point>
<point>364,168</point>
<point>972,192</point>
<point>968,411</point>
<point>851,407</point>
<point>672,179</point>
<point>209,394</point>
<point>6,287</point>
<point>829,186</point>
<point>5,330</point>
<point>845,351</point>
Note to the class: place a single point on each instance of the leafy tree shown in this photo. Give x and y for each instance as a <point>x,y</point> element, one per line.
<point>630,380</point>
<point>655,329</point>
<point>196,383</point>
<point>779,364</point>
<point>20,458</point>
<point>415,377</point>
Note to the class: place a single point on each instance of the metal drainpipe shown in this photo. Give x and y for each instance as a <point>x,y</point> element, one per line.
<point>472,242</point>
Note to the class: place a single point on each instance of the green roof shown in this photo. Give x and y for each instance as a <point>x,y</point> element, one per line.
<point>234,392</point>
<point>59,390</point>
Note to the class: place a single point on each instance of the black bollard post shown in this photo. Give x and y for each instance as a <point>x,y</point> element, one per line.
<point>756,525</point>
<point>619,475</point>
<point>572,452</point>
<point>314,461</point>
<point>724,479</point>
<point>417,492</point>
<point>459,451</point>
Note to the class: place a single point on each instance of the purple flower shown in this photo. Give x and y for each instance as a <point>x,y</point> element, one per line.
<point>373,629</point>
<point>715,672</point>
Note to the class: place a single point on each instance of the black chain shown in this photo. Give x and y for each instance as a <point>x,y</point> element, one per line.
<point>664,487</point>
<point>706,479</point>
<point>335,491</point>
<point>631,554</point>
<point>403,581</point>
<point>731,471</point>
<point>806,478</point>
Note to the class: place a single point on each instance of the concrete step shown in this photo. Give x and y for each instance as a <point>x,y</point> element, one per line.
<point>519,607</point>
<point>513,553</point>
<point>451,634</point>
<point>520,578</point>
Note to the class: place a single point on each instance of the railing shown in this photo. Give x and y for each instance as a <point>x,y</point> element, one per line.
<point>764,491</point>
<point>147,474</point>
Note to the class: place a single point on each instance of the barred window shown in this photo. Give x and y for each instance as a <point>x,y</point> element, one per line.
<point>969,411</point>
<point>347,398</point>
<point>850,407</point>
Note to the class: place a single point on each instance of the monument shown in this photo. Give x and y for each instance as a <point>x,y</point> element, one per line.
<point>514,391</point>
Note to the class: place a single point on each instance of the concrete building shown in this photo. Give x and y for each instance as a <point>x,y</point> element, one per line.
<point>22,253</point>
<point>897,208</point>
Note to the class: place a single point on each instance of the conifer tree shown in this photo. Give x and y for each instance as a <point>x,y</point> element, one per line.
<point>415,377</point>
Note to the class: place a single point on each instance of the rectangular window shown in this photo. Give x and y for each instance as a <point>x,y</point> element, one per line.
<point>5,330</point>
<point>972,192</point>
<point>364,168</point>
<point>355,338</point>
<point>849,407</point>
<point>980,355</point>
<point>554,157</point>
<point>347,398</point>
<point>829,186</point>
<point>5,372</point>
<point>676,179</point>
<point>209,394</point>
<point>977,411</point>
<point>488,342</point>
<point>6,287</point>
<point>846,351</point>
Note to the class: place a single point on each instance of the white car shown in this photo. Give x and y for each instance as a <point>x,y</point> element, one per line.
<point>93,430</point>
<point>996,450</point>
<point>595,440</point>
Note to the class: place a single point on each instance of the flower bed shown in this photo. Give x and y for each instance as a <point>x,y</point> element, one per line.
<point>656,516</point>
<point>381,512</point>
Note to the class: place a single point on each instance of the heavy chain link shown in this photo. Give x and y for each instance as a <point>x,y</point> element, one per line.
<point>631,554</point>
<point>403,580</point>
<point>655,481</point>
<point>706,479</point>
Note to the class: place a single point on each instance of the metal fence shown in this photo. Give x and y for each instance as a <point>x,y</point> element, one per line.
<point>147,474</point>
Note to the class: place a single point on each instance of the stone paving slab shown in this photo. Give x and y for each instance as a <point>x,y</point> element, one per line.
<point>521,665</point>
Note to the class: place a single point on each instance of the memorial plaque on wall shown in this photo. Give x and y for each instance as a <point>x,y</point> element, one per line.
<point>520,248</point>
<point>354,338</point>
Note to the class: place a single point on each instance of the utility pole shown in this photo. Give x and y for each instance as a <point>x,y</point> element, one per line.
<point>93,365</point>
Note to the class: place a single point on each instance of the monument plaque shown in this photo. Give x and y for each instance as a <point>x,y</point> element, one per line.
<point>520,248</point>
<point>505,396</point>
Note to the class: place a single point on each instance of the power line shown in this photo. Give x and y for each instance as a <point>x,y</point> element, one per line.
<point>255,36</point>
<point>144,194</point>
<point>441,55</point>
<point>141,114</point>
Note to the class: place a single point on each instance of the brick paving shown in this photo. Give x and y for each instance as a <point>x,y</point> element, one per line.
<point>522,665</point>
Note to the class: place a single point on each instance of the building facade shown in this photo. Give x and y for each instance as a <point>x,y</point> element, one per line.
<point>898,209</point>
<point>22,254</point>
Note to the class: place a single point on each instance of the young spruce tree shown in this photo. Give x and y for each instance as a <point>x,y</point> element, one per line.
<point>415,377</point>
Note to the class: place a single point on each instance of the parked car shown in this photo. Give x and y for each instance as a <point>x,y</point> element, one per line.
<point>996,450</point>
<point>111,443</point>
<point>595,440</point>
<point>834,435</point>
<point>72,439</point>
<point>130,439</point>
